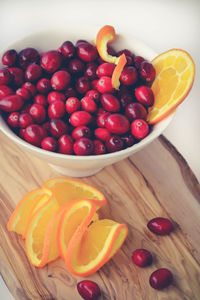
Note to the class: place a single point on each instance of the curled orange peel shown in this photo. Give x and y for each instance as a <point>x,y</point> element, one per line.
<point>118,70</point>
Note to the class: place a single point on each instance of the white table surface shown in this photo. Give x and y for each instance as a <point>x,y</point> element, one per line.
<point>160,24</point>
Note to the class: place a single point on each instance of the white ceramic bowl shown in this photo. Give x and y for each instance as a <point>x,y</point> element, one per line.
<point>71,165</point>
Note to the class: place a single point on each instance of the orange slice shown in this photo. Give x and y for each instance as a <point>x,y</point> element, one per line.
<point>175,71</point>
<point>117,71</point>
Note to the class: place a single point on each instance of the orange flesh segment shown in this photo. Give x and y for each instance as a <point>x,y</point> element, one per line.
<point>117,71</point>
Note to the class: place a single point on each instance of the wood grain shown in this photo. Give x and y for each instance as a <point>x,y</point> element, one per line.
<point>153,182</point>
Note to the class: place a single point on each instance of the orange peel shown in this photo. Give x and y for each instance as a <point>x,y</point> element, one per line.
<point>118,70</point>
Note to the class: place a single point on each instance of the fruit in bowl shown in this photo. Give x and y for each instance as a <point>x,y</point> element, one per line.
<point>78,85</point>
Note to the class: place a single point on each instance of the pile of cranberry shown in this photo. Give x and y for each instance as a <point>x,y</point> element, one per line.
<point>64,101</point>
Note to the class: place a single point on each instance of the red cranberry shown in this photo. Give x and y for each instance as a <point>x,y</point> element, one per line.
<point>28,56</point>
<point>67,49</point>
<point>60,80</point>
<point>83,85</point>
<point>114,143</point>
<point>87,52</point>
<point>43,132</point>
<point>5,76</point>
<point>47,127</point>
<point>33,135</point>
<point>24,93</point>
<point>25,120</point>
<point>126,52</point>
<point>161,279</point>
<point>49,144</point>
<point>144,95</point>
<point>76,66</point>
<point>94,84</point>
<point>5,91</point>
<point>135,111</point>
<point>54,96</point>
<point>147,71</point>
<point>128,140</point>
<point>22,133</point>
<point>9,58</point>
<point>105,69</point>
<point>104,85</point>
<point>109,102</point>
<point>56,109</point>
<point>90,71</point>
<point>11,103</point>
<point>65,144</point>
<point>31,87</point>
<point>51,61</point>
<point>142,258</point>
<point>93,95</point>
<point>81,42</point>
<point>102,119</point>
<point>138,60</point>
<point>79,118</point>
<point>40,99</point>
<point>43,85</point>
<point>117,124</point>
<point>88,290</point>
<point>129,76</point>
<point>33,72</point>
<point>26,107</point>
<point>18,76</point>
<point>111,51</point>
<point>102,134</point>
<point>81,131</point>
<point>123,89</point>
<point>58,127</point>
<point>139,129</point>
<point>83,146</point>
<point>88,104</point>
<point>160,226</point>
<point>125,99</point>
<point>38,113</point>
<point>72,105</point>
<point>99,147</point>
<point>70,92</point>
<point>13,119</point>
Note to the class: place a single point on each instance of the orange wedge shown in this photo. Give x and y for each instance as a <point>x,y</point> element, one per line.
<point>175,71</point>
<point>117,71</point>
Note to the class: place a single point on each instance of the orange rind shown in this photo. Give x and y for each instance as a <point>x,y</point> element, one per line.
<point>118,70</point>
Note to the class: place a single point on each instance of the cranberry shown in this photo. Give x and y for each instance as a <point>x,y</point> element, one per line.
<point>142,258</point>
<point>58,127</point>
<point>18,76</point>
<point>26,108</point>
<point>83,85</point>
<point>9,58</point>
<point>65,144</point>
<point>13,119</point>
<point>47,127</point>
<point>99,147</point>
<point>161,279</point>
<point>81,42</point>
<point>109,102</point>
<point>135,111</point>
<point>51,61</point>
<point>129,76</point>
<point>117,124</point>
<point>28,56</point>
<point>5,76</point>
<point>54,96</point>
<point>49,144</point>
<point>138,60</point>
<point>125,99</point>
<point>56,109</point>
<point>93,95</point>
<point>11,103</point>
<point>67,49</point>
<point>105,69</point>
<point>88,290</point>
<point>31,87</point>
<point>43,85</point>
<point>72,105</point>
<point>40,99</point>
<point>33,72</point>
<point>147,71</point>
<point>114,143</point>
<point>102,119</point>
<point>139,129</point>
<point>144,95</point>
<point>90,71</point>
<point>76,66</point>
<point>88,104</point>
<point>5,91</point>
<point>111,51</point>
<point>38,113</point>
<point>25,120</point>
<point>70,92</point>
<point>22,133</point>
<point>94,84</point>
<point>128,140</point>
<point>24,93</point>
<point>102,134</point>
<point>104,85</point>
<point>43,132</point>
<point>123,89</point>
<point>160,226</point>
<point>81,131</point>
<point>79,118</point>
<point>83,146</point>
<point>87,52</point>
<point>126,52</point>
<point>33,135</point>
<point>60,80</point>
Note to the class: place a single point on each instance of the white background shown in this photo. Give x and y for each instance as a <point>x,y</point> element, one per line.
<point>160,24</point>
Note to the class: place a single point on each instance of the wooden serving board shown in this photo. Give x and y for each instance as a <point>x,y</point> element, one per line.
<point>153,182</point>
